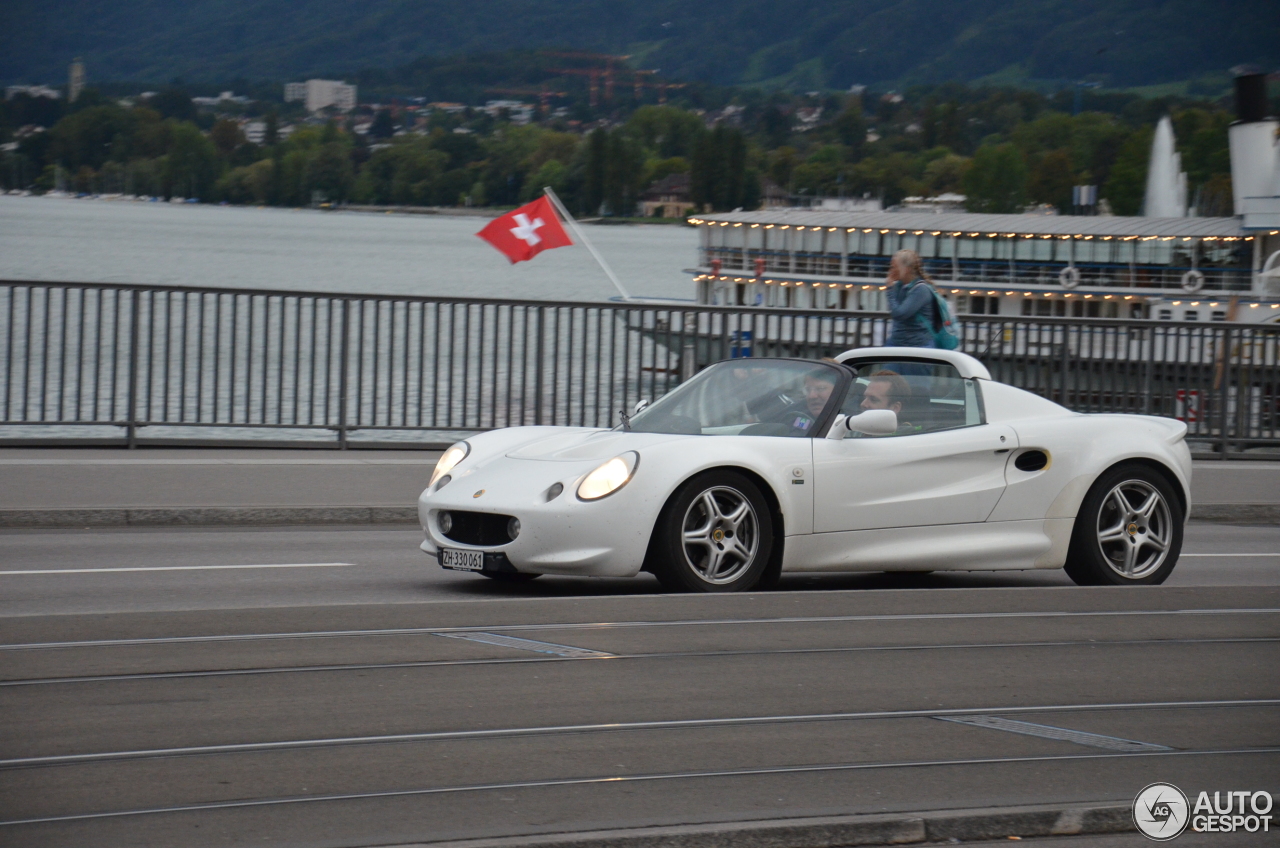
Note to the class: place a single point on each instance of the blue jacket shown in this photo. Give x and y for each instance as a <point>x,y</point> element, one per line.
<point>912,310</point>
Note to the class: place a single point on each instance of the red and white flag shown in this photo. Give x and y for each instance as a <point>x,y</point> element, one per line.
<point>525,232</point>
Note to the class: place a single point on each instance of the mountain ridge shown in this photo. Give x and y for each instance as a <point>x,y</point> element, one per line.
<point>823,44</point>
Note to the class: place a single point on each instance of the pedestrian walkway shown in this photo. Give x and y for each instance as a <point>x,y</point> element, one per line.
<point>84,487</point>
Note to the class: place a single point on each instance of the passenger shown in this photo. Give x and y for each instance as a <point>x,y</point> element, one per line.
<point>888,390</point>
<point>911,304</point>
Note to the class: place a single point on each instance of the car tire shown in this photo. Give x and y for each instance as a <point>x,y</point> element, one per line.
<point>714,535</point>
<point>510,576</point>
<point>1128,531</point>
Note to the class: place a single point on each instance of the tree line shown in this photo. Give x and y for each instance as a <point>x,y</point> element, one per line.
<point>1004,149</point>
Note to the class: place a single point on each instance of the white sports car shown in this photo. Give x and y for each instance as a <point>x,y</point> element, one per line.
<point>885,459</point>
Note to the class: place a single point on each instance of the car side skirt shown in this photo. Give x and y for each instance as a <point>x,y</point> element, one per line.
<point>988,546</point>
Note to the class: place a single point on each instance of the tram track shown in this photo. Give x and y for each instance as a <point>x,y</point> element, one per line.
<point>622,779</point>
<point>204,728</point>
<point>620,727</point>
<point>615,625</point>
<point>490,661</point>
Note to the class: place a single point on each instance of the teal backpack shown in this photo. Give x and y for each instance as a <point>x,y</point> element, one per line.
<point>942,327</point>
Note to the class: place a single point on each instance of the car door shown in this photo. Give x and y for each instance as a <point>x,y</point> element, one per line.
<point>945,465</point>
<point>947,477</point>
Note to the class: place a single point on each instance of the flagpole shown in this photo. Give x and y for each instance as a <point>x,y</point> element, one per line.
<point>564,213</point>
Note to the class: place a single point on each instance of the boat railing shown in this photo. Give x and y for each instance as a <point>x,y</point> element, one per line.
<point>88,363</point>
<point>1175,279</point>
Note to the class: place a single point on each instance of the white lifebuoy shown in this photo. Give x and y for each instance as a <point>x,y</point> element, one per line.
<point>1192,281</point>
<point>1070,277</point>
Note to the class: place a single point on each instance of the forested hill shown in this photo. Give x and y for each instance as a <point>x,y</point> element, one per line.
<point>815,44</point>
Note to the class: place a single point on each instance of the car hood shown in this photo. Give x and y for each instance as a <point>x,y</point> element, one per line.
<point>574,445</point>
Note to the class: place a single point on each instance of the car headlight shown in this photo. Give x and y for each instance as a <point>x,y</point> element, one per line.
<point>609,478</point>
<point>455,454</point>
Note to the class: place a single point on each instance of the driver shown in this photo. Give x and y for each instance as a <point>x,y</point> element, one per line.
<point>802,415</point>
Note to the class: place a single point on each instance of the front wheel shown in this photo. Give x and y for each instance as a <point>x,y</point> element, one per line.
<point>715,535</point>
<point>1128,531</point>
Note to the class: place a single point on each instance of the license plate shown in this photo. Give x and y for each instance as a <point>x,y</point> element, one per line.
<point>462,560</point>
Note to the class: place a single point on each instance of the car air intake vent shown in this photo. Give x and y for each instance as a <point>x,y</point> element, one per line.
<point>1032,460</point>
<point>483,529</point>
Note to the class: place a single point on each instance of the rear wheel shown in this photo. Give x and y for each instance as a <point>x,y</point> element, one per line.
<point>715,535</point>
<point>1128,531</point>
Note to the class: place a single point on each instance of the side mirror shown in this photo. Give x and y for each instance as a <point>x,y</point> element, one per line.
<point>640,406</point>
<point>872,422</point>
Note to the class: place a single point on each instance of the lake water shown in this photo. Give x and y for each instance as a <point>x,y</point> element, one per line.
<point>242,247</point>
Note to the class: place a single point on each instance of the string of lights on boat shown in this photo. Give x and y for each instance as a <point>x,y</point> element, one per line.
<point>1206,239</point>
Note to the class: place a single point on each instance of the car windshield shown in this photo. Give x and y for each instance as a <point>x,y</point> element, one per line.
<point>753,397</point>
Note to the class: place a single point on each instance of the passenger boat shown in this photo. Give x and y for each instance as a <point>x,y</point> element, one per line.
<point>1158,268</point>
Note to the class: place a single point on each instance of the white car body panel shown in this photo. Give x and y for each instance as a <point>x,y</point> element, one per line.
<point>982,546</point>
<point>608,537</point>
<point>950,477</point>
<point>946,499</point>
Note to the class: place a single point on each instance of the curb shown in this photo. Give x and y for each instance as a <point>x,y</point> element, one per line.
<point>831,831</point>
<point>1236,513</point>
<point>207,516</point>
<point>215,516</point>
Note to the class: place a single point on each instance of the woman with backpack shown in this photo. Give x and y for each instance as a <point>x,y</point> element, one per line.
<point>910,302</point>
<point>920,316</point>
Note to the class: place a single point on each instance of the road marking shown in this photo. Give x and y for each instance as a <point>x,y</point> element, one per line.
<point>526,645</point>
<point>609,625</point>
<point>627,778</point>
<point>1230,555</point>
<point>677,724</point>
<point>1044,731</point>
<point>177,568</point>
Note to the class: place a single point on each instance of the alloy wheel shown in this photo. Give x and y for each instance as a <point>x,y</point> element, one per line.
<point>1134,530</point>
<point>720,535</point>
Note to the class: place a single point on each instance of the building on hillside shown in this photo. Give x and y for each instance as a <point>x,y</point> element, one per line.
<point>845,204</point>
<point>668,197</point>
<point>773,196</point>
<point>222,99</point>
<point>75,80</point>
<point>255,132</point>
<point>516,111</point>
<point>945,202</point>
<point>320,94</point>
<point>13,91</point>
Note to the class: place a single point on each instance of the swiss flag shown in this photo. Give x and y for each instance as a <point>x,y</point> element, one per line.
<point>525,232</point>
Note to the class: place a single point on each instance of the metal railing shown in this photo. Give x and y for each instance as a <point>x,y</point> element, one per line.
<point>118,364</point>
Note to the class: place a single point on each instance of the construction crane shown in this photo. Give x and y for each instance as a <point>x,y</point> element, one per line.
<point>662,88</point>
<point>594,75</point>
<point>593,81</point>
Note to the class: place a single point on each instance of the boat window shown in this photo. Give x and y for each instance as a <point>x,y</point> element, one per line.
<point>927,396</point>
<point>1166,315</point>
<point>1191,315</point>
<point>747,397</point>
<point>1219,315</point>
